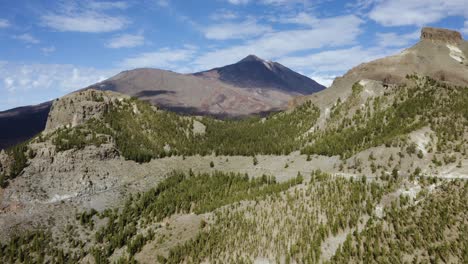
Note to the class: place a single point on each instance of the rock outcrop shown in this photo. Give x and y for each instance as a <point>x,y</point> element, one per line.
<point>441,34</point>
<point>76,108</point>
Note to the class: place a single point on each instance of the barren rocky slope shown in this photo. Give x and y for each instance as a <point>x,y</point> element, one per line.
<point>440,53</point>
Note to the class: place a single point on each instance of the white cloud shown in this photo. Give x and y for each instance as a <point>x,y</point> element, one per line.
<point>85,16</point>
<point>329,32</point>
<point>126,41</point>
<point>416,12</point>
<point>337,60</point>
<point>224,15</point>
<point>107,5</point>
<point>48,50</point>
<point>249,28</point>
<point>326,80</point>
<point>267,2</point>
<point>324,66</point>
<point>396,40</point>
<point>162,3</point>
<point>4,23</point>
<point>301,18</point>
<point>164,58</point>
<point>465,28</point>
<point>36,83</point>
<point>238,2</point>
<point>85,22</point>
<point>27,38</point>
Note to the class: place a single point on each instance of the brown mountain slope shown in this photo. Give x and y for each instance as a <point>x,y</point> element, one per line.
<point>441,54</point>
<point>250,86</point>
<point>253,71</point>
<point>22,123</point>
<point>253,87</point>
<point>195,95</point>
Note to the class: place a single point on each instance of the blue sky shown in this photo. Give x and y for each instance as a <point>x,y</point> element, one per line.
<point>50,48</point>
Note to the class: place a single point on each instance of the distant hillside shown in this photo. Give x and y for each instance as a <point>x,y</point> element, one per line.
<point>249,87</point>
<point>22,123</point>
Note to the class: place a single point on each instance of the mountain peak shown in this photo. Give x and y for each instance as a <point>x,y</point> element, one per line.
<point>251,57</point>
<point>441,34</point>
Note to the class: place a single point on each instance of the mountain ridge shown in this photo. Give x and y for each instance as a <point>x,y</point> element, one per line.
<point>184,93</point>
<point>446,47</point>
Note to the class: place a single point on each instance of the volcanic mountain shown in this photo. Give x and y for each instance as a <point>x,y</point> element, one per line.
<point>255,72</point>
<point>251,86</point>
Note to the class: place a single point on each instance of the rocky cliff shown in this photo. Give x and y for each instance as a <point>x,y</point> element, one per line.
<point>76,108</point>
<point>442,35</point>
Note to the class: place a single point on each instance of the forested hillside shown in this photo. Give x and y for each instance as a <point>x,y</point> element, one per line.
<point>388,119</point>
<point>142,133</point>
<point>245,219</point>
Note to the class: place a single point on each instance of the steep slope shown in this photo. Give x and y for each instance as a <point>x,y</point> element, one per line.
<point>441,54</point>
<point>194,95</point>
<point>251,86</point>
<point>253,72</point>
<point>20,124</point>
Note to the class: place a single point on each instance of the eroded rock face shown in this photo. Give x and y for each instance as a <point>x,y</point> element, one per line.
<point>441,34</point>
<point>3,162</point>
<point>77,108</point>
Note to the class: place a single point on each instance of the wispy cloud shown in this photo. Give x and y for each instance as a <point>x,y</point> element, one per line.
<point>326,65</point>
<point>4,23</point>
<point>162,3</point>
<point>85,22</point>
<point>107,5</point>
<point>465,28</point>
<point>126,41</point>
<point>416,12</point>
<point>238,2</point>
<point>246,29</point>
<point>27,38</point>
<point>280,43</point>
<point>48,50</point>
<point>301,18</point>
<point>396,40</point>
<point>165,58</point>
<point>224,15</point>
<point>22,84</point>
<point>86,18</point>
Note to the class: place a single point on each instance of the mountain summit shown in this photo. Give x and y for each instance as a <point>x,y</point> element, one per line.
<point>254,72</point>
<point>441,34</point>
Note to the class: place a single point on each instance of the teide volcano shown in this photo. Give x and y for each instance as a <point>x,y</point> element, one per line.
<point>250,86</point>
<point>253,71</point>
